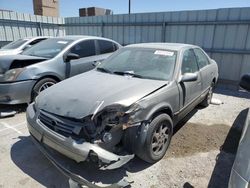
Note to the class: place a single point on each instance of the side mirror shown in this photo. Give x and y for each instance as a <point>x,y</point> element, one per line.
<point>189,77</point>
<point>70,56</point>
<point>245,82</point>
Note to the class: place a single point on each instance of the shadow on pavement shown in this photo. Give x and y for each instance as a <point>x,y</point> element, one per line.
<point>186,119</point>
<point>225,158</point>
<point>30,160</point>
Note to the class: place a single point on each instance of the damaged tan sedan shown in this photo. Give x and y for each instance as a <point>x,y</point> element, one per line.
<point>128,105</point>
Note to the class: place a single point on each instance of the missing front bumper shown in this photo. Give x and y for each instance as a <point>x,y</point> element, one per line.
<point>76,178</point>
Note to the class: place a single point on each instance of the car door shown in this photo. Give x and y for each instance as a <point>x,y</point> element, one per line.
<point>204,67</point>
<point>190,90</point>
<point>86,50</point>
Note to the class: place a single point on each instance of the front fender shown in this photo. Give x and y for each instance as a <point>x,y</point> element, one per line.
<point>158,108</point>
<point>35,73</point>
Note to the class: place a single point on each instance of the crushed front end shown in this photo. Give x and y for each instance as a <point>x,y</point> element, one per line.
<point>96,137</point>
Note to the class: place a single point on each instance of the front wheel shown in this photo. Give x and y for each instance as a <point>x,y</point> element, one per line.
<point>41,85</point>
<point>158,138</point>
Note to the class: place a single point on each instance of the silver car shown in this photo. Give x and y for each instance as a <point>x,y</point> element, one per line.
<point>130,102</point>
<point>24,76</point>
<point>240,173</point>
<point>18,46</point>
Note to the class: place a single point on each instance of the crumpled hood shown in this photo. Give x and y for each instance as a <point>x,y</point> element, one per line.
<point>81,95</point>
<point>7,60</point>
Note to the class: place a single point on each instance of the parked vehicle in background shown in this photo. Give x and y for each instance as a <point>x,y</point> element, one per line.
<point>24,76</point>
<point>240,173</point>
<point>130,102</point>
<point>18,46</point>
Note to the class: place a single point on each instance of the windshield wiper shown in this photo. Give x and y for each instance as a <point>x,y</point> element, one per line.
<point>101,69</point>
<point>128,73</point>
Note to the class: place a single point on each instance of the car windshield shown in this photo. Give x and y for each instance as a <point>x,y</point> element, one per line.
<point>48,48</point>
<point>141,62</point>
<point>14,44</point>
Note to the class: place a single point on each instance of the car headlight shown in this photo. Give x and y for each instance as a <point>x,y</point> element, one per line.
<point>12,74</point>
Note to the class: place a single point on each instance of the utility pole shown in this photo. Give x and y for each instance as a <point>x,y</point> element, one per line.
<point>129,6</point>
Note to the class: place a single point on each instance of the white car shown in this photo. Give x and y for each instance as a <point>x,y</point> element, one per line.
<point>18,46</point>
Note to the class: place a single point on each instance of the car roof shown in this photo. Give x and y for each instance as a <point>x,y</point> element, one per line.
<point>164,46</point>
<point>38,37</point>
<point>78,37</point>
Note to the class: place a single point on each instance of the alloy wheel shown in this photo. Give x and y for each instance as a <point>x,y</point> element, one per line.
<point>45,86</point>
<point>159,139</point>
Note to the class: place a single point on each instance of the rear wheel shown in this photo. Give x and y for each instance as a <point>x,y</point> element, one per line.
<point>209,96</point>
<point>158,138</point>
<point>42,85</point>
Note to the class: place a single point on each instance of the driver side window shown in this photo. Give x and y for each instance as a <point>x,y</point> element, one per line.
<point>189,64</point>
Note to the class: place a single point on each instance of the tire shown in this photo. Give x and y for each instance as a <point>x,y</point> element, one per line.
<point>40,86</point>
<point>208,98</point>
<point>158,138</point>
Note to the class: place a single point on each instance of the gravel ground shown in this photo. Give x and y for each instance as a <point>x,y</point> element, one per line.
<point>201,153</point>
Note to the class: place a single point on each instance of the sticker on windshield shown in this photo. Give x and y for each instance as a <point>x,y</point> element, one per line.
<point>164,53</point>
<point>62,42</point>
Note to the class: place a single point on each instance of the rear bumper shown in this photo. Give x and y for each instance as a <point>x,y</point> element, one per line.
<point>71,148</point>
<point>16,92</point>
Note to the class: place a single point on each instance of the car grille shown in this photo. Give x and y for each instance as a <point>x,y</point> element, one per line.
<point>64,126</point>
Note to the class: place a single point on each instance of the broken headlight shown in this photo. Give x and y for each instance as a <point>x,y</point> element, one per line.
<point>120,116</point>
<point>111,118</point>
<point>12,74</point>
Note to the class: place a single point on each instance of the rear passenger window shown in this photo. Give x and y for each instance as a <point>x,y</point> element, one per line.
<point>201,58</point>
<point>84,49</point>
<point>106,46</point>
<point>36,41</point>
<point>189,64</point>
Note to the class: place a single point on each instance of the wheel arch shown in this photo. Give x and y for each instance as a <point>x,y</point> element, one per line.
<point>49,76</point>
<point>56,78</point>
<point>162,109</point>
